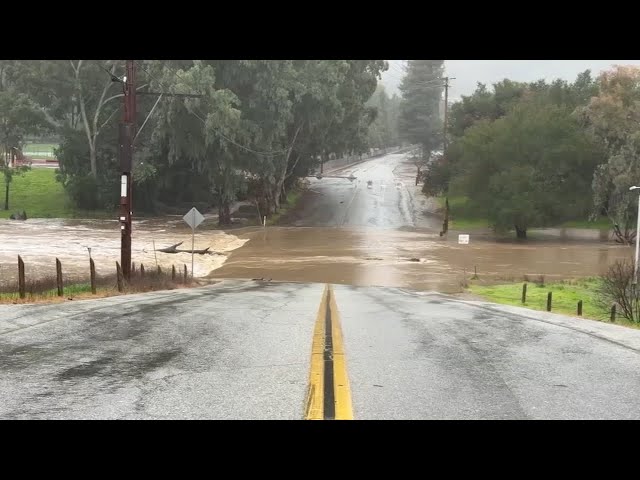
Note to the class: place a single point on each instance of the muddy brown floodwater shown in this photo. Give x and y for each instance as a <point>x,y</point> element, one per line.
<point>343,232</point>
<point>40,241</point>
<point>397,257</point>
<point>408,258</point>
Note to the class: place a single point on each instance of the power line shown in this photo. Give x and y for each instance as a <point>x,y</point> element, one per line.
<point>266,154</point>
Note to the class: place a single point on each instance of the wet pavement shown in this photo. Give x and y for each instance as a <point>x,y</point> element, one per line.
<point>242,349</point>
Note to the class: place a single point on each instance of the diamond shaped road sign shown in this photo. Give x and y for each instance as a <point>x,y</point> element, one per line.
<point>193,218</point>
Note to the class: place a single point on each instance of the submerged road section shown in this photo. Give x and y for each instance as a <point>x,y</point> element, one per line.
<point>266,350</point>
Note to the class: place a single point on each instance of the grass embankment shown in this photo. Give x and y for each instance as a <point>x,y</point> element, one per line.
<point>463,216</point>
<point>39,194</point>
<point>45,290</point>
<point>565,297</point>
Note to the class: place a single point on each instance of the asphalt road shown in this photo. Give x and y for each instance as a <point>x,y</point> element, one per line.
<point>242,350</point>
<point>245,349</point>
<point>339,202</point>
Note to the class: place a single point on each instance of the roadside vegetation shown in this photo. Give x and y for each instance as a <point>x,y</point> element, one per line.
<point>287,207</point>
<point>253,129</point>
<point>535,155</point>
<point>598,295</point>
<point>44,290</point>
<point>463,215</point>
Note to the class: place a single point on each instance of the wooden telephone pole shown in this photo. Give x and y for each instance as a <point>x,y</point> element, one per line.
<point>446,113</point>
<point>445,224</point>
<point>127,134</point>
<point>127,137</point>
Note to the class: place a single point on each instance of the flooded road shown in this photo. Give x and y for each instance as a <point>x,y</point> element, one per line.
<point>343,232</point>
<point>40,241</point>
<point>408,259</point>
<point>388,235</point>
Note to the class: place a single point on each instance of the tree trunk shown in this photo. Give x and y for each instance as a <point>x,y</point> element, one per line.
<point>92,157</point>
<point>445,223</point>
<point>6,196</point>
<point>224,214</point>
<point>521,233</point>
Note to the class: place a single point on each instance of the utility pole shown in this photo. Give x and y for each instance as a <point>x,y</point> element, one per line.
<point>127,134</point>
<point>445,224</point>
<point>446,112</point>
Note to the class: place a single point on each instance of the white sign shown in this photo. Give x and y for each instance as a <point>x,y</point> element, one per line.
<point>193,218</point>
<point>463,239</point>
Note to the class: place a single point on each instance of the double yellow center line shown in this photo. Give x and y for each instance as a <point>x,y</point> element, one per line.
<point>329,395</point>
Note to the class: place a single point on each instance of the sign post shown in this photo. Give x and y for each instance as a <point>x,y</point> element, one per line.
<point>193,218</point>
<point>463,239</point>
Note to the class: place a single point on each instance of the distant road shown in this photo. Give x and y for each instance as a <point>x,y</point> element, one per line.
<point>338,202</point>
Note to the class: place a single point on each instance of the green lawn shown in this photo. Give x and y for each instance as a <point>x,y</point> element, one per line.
<point>463,217</point>
<point>41,196</point>
<point>44,150</point>
<point>565,297</point>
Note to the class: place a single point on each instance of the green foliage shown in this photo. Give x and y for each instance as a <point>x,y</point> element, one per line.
<point>383,131</point>
<point>531,167</point>
<point>419,121</point>
<point>611,118</point>
<point>264,122</point>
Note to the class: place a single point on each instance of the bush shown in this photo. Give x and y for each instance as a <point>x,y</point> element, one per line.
<point>617,287</point>
<point>83,191</point>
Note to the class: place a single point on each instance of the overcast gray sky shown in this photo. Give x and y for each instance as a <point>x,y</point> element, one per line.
<point>468,73</point>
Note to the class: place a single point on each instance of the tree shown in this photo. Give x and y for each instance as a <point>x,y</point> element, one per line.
<point>531,167</point>
<point>260,121</point>
<point>383,131</point>
<point>419,121</point>
<point>294,111</point>
<point>612,119</point>
<point>76,95</point>
<point>18,117</point>
<point>9,172</point>
<point>202,130</point>
<point>438,175</point>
